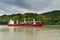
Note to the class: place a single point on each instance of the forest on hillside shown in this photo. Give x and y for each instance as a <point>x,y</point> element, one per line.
<point>48,18</point>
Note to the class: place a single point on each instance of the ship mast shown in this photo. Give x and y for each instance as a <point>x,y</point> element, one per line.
<point>16,21</point>
<point>24,19</point>
<point>34,21</point>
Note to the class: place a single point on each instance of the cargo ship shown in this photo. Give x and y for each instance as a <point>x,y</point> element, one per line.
<point>25,24</point>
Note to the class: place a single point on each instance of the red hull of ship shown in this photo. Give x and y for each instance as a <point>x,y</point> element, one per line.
<point>27,25</point>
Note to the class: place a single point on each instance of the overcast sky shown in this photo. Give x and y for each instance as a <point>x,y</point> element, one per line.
<point>22,6</point>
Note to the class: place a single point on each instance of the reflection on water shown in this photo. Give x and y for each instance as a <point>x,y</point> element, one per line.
<point>29,33</point>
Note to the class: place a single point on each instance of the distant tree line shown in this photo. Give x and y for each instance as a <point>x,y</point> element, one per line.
<point>48,18</point>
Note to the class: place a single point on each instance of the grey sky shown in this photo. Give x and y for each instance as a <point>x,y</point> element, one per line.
<point>16,6</point>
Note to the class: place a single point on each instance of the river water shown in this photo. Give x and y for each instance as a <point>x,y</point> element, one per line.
<point>29,33</point>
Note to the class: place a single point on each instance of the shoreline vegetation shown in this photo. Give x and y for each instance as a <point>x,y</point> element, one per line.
<point>48,18</point>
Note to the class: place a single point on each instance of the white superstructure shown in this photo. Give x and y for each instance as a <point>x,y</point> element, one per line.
<point>11,21</point>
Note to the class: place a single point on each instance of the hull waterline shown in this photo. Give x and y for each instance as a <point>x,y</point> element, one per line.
<point>26,25</point>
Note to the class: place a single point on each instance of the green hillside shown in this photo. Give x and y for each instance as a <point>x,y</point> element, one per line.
<point>49,18</point>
